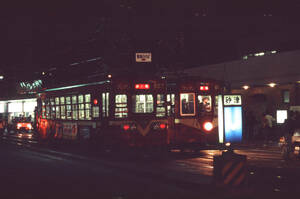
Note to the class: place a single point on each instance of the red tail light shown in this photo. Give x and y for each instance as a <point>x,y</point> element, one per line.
<point>126,127</point>
<point>162,126</point>
<point>208,126</point>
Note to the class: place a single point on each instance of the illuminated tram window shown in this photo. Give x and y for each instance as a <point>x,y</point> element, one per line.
<point>74,108</point>
<point>187,104</point>
<point>81,111</point>
<point>142,103</point>
<point>57,112</point>
<point>75,111</point>
<point>52,103</point>
<point>171,104</point>
<point>88,112</point>
<point>105,104</point>
<point>47,111</point>
<point>57,101</point>
<point>63,112</point>
<point>160,109</point>
<point>80,99</point>
<point>121,109</point>
<point>52,112</point>
<point>87,98</point>
<point>69,112</point>
<point>74,99</point>
<point>204,102</point>
<point>62,100</point>
<point>68,100</point>
<point>96,111</point>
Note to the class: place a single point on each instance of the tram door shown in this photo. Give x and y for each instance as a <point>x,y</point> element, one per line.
<point>171,117</point>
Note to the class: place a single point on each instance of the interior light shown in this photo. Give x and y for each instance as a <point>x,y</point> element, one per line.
<point>208,126</point>
<point>272,84</point>
<point>246,87</point>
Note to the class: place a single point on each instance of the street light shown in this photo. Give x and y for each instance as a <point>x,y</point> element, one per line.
<point>246,87</point>
<point>272,84</point>
<point>1,77</point>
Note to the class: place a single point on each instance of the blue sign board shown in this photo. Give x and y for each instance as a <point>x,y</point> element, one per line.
<point>233,126</point>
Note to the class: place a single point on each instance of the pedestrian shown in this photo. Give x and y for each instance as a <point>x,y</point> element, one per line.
<point>289,128</point>
<point>268,120</point>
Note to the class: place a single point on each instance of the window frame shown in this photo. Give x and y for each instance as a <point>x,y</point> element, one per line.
<point>180,101</point>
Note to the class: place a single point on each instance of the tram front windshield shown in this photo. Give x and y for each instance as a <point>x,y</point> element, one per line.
<point>142,103</point>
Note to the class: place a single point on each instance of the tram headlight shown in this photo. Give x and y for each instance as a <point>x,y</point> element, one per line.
<point>19,126</point>
<point>208,126</point>
<point>29,126</point>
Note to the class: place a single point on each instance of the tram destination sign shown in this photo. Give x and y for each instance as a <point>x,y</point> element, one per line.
<point>143,57</point>
<point>232,100</point>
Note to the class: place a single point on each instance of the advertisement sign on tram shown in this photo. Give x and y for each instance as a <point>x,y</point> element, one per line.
<point>70,131</point>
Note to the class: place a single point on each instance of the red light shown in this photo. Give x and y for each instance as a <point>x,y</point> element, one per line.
<point>95,101</point>
<point>204,88</point>
<point>208,126</point>
<point>142,86</point>
<point>126,127</point>
<point>162,126</point>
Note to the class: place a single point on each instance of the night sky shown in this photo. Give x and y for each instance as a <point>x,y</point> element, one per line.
<point>36,38</point>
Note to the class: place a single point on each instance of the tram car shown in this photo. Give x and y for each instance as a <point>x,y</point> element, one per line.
<point>118,111</point>
<point>195,120</point>
<point>131,111</point>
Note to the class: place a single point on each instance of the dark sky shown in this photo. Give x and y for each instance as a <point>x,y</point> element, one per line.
<point>34,38</point>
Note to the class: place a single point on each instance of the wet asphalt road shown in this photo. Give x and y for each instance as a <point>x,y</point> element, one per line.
<point>30,170</point>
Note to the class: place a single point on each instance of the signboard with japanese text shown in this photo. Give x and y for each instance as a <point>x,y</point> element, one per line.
<point>232,100</point>
<point>143,57</point>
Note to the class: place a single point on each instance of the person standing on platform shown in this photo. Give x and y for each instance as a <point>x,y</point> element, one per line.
<point>268,126</point>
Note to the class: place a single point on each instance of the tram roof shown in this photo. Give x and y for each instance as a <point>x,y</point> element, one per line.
<point>77,86</point>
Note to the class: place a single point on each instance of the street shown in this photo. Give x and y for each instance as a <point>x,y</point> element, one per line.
<point>31,170</point>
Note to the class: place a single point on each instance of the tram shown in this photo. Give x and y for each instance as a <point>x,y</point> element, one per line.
<point>195,120</point>
<point>131,111</point>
